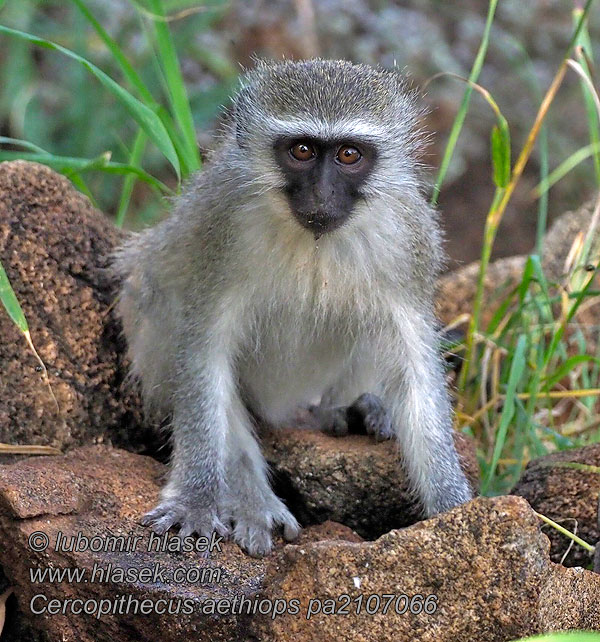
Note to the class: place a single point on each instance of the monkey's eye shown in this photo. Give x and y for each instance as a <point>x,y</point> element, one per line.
<point>302,151</point>
<point>348,155</point>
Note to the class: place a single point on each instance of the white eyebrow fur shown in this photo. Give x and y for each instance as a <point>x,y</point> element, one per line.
<point>315,128</point>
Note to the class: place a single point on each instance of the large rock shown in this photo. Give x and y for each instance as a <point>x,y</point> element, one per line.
<point>562,488</point>
<point>479,572</point>
<point>486,563</point>
<point>456,289</point>
<point>99,492</point>
<point>54,247</point>
<point>352,480</point>
<point>561,236</point>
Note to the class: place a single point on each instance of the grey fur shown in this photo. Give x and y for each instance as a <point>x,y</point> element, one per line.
<point>230,303</point>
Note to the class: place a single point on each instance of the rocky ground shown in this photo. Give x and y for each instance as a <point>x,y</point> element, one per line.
<point>483,571</point>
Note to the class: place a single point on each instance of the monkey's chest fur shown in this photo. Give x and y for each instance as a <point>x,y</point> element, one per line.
<point>283,375</point>
<point>325,327</point>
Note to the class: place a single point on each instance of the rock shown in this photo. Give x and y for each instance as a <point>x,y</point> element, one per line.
<point>479,572</point>
<point>560,238</point>
<point>486,562</point>
<point>54,247</point>
<point>327,530</point>
<point>570,600</point>
<point>352,480</point>
<point>569,496</point>
<point>456,289</point>
<point>99,493</point>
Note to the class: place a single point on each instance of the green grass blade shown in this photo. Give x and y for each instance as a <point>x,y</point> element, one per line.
<point>178,141</point>
<point>590,107</point>
<point>558,334</point>
<point>142,114</point>
<point>126,67</point>
<point>135,158</point>
<point>540,277</point>
<point>571,636</point>
<point>464,106</point>
<point>11,303</point>
<point>565,167</point>
<point>17,142</point>
<point>501,155</point>
<point>178,97</point>
<point>65,164</point>
<point>516,373</point>
<point>552,379</point>
<point>81,185</point>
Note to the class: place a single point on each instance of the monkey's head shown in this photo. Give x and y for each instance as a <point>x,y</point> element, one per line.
<point>328,135</point>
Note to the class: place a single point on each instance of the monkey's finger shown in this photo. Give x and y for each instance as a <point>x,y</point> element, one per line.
<point>291,531</point>
<point>163,524</point>
<point>220,528</point>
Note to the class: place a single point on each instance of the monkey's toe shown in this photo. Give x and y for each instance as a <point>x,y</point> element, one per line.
<point>291,528</point>
<point>254,539</point>
<point>202,521</point>
<point>368,410</point>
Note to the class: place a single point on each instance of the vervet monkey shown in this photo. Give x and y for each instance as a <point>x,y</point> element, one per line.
<point>297,268</point>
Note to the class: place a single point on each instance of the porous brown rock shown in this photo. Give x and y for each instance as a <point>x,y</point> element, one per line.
<point>102,492</point>
<point>570,600</point>
<point>352,480</point>
<point>561,236</point>
<point>478,572</point>
<point>456,289</point>
<point>55,249</point>
<point>562,488</point>
<point>485,562</point>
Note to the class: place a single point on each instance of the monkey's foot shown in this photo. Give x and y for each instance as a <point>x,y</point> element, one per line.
<point>333,421</point>
<point>190,519</point>
<point>366,415</point>
<point>369,411</point>
<point>254,524</point>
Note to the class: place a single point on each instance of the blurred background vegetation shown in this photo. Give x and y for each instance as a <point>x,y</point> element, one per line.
<point>55,103</point>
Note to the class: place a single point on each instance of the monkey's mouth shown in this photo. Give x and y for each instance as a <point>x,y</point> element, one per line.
<point>321,222</point>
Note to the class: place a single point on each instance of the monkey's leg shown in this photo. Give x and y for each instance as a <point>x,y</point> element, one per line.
<point>249,500</point>
<point>415,393</point>
<point>192,495</point>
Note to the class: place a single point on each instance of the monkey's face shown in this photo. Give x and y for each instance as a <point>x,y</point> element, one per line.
<point>333,139</point>
<point>323,178</point>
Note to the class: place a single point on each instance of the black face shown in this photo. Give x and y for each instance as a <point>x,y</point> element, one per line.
<point>323,179</point>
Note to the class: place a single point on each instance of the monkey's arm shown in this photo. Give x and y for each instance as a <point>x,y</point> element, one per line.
<point>192,496</point>
<point>218,474</point>
<point>416,397</point>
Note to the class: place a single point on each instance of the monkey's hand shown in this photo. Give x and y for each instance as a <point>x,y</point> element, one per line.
<point>255,516</point>
<point>365,415</point>
<point>250,503</point>
<point>183,507</point>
